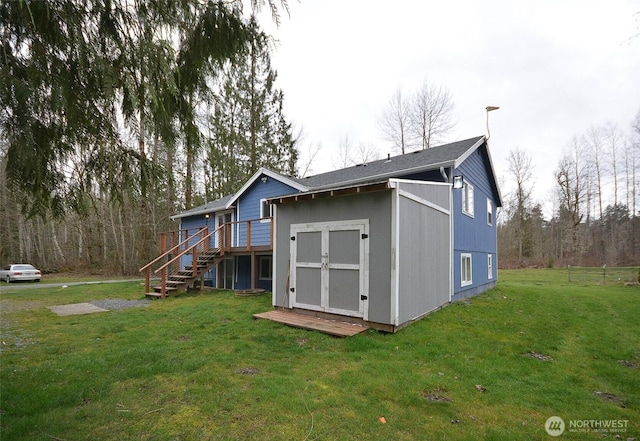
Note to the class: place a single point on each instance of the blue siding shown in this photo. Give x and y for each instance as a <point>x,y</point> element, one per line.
<point>473,234</point>
<point>248,208</point>
<point>192,224</point>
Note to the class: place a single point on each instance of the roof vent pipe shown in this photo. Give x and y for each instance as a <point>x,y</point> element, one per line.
<point>444,174</point>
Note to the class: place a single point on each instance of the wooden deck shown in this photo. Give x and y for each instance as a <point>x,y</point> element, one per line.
<point>331,327</point>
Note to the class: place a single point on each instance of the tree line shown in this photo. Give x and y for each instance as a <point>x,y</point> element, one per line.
<point>595,219</point>
<point>115,114</point>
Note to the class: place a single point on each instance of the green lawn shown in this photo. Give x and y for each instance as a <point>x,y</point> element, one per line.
<point>199,367</point>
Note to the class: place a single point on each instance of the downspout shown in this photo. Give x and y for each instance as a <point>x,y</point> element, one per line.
<point>444,174</point>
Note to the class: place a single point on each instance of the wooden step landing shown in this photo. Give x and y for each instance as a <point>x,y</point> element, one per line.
<point>331,327</point>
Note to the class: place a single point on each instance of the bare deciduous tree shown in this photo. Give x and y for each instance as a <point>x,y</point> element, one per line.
<point>614,138</point>
<point>431,114</point>
<point>420,120</point>
<point>395,122</point>
<point>595,142</point>
<point>349,155</point>
<point>521,170</point>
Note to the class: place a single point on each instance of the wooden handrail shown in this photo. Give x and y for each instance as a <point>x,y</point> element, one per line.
<point>171,250</point>
<point>146,268</point>
<point>187,250</point>
<point>222,246</point>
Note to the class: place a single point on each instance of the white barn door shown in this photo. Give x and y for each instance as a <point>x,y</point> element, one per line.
<point>329,267</point>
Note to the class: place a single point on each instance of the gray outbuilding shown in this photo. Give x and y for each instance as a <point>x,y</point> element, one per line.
<point>378,253</point>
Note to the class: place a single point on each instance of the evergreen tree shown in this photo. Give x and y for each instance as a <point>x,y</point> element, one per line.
<point>249,129</point>
<point>81,78</point>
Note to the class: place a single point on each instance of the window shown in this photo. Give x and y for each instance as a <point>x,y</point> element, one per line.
<point>265,265</point>
<point>467,199</point>
<point>490,266</point>
<point>266,210</point>
<point>489,212</point>
<point>465,270</point>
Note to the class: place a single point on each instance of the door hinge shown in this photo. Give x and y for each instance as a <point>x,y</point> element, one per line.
<point>363,297</point>
<point>365,236</point>
<point>293,238</point>
<point>292,289</point>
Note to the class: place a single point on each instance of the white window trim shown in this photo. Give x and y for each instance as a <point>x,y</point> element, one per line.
<point>467,193</point>
<point>463,281</point>
<point>490,266</point>
<point>489,212</point>
<point>262,213</point>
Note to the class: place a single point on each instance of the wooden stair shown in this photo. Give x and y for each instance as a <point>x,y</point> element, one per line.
<point>185,279</point>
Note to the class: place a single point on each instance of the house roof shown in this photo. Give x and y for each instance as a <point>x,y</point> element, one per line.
<point>227,202</point>
<point>448,155</point>
<point>209,207</point>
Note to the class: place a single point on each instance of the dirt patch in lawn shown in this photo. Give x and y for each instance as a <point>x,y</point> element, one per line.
<point>538,356</point>
<point>610,397</point>
<point>436,395</point>
<point>76,309</point>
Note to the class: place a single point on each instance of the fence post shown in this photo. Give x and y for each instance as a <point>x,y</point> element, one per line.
<point>569,268</point>
<point>604,273</point>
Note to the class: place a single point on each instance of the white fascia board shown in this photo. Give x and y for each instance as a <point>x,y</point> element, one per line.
<point>192,213</point>
<point>272,175</point>
<point>468,153</point>
<point>203,211</point>
<point>393,183</point>
<point>493,174</point>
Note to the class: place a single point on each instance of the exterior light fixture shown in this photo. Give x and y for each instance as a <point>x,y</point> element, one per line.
<point>206,216</point>
<point>264,179</point>
<point>458,182</point>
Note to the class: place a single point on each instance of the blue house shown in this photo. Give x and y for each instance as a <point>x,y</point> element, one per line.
<point>245,224</point>
<point>382,243</point>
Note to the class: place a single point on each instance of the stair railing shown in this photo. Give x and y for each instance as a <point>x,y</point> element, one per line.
<point>223,245</point>
<point>169,252</point>
<point>204,243</point>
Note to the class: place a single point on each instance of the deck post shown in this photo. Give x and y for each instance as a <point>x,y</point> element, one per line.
<point>163,283</point>
<point>253,270</point>
<point>194,262</point>
<point>248,235</point>
<point>147,283</point>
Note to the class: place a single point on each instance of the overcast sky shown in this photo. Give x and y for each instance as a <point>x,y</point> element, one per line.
<point>555,68</point>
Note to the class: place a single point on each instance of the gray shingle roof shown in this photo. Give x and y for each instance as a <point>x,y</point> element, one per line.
<point>209,207</point>
<point>422,160</point>
<point>395,166</point>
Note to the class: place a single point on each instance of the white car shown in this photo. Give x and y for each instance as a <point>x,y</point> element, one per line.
<point>20,272</point>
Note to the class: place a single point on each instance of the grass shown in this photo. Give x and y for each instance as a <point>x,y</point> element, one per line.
<point>199,367</point>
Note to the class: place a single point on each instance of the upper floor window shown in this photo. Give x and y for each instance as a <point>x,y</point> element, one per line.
<point>266,209</point>
<point>467,199</point>
<point>489,212</point>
